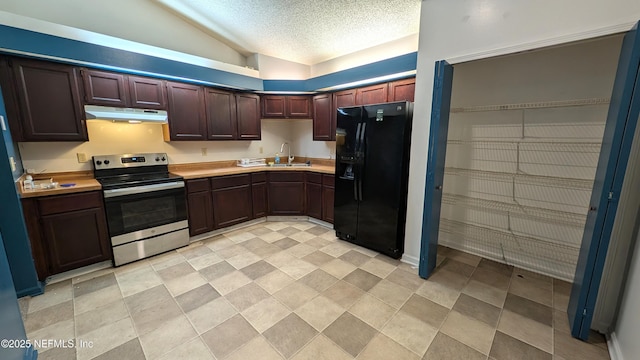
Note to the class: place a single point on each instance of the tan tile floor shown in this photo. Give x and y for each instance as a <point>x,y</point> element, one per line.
<point>291,290</point>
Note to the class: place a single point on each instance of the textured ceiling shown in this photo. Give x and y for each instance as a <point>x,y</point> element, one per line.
<point>303,31</point>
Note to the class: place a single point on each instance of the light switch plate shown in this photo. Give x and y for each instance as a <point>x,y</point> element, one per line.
<point>12,161</point>
<point>2,123</point>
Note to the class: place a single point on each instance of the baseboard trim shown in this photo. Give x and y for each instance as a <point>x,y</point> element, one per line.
<point>614,346</point>
<point>32,291</point>
<point>411,260</point>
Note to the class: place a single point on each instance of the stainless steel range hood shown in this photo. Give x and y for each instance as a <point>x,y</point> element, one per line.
<point>125,114</point>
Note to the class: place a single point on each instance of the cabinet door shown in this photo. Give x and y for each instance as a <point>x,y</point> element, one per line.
<point>286,198</point>
<point>324,129</point>
<point>259,194</point>
<point>328,194</point>
<point>38,246</point>
<point>248,114</point>
<point>402,90</point>
<point>147,93</point>
<point>374,94</point>
<point>76,238</point>
<point>273,106</point>
<point>105,88</point>
<point>343,98</point>
<point>221,115</point>
<point>200,212</point>
<point>298,107</point>
<point>186,112</point>
<point>232,205</point>
<point>49,101</point>
<point>314,200</point>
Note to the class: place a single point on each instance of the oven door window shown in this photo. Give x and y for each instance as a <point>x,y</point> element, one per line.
<point>135,212</point>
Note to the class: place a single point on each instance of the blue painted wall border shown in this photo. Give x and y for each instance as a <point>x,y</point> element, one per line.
<point>395,65</point>
<point>16,39</point>
<point>39,44</point>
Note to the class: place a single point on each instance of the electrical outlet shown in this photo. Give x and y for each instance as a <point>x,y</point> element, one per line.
<point>204,151</point>
<point>82,157</point>
<point>261,150</point>
<point>12,161</point>
<point>4,126</point>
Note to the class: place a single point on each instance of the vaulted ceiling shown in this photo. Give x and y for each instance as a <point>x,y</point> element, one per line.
<point>302,31</point>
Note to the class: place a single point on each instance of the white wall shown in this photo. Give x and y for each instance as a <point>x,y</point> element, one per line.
<point>384,51</point>
<point>466,30</point>
<point>303,144</point>
<point>626,345</point>
<point>141,21</point>
<point>272,68</point>
<point>115,138</point>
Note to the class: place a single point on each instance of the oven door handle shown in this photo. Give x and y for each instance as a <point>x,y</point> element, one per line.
<point>142,189</point>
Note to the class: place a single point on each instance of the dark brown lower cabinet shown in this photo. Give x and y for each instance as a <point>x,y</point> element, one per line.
<point>259,194</point>
<point>286,193</point>
<point>232,200</point>
<point>67,231</point>
<point>328,194</point>
<point>314,195</point>
<point>199,206</point>
<point>200,210</point>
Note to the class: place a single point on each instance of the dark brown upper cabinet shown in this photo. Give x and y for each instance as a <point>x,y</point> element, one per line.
<point>147,93</point>
<point>323,126</point>
<point>221,115</point>
<point>248,115</point>
<point>187,120</point>
<point>119,90</point>
<point>286,106</point>
<point>43,100</point>
<point>104,88</point>
<point>374,94</point>
<point>402,90</point>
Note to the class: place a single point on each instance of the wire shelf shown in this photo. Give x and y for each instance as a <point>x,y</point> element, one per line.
<point>508,242</point>
<point>551,181</point>
<point>530,145</point>
<point>526,212</point>
<point>532,105</point>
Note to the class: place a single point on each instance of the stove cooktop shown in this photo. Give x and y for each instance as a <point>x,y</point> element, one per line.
<point>130,180</point>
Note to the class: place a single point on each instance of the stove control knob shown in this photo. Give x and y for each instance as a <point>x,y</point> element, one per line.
<point>157,159</point>
<point>106,162</point>
<point>163,159</point>
<point>98,162</point>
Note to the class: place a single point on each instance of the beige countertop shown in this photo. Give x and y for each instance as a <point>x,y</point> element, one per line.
<point>81,184</point>
<point>202,173</point>
<point>84,180</point>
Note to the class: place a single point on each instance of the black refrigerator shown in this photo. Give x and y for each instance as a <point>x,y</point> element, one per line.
<point>372,173</point>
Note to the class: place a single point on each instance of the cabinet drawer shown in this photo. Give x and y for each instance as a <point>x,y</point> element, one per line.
<point>197,185</point>
<point>258,177</point>
<point>65,203</point>
<point>314,178</point>
<point>286,176</point>
<point>230,181</point>
<point>328,180</point>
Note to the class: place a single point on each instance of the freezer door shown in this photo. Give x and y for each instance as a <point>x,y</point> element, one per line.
<point>348,130</point>
<point>383,178</point>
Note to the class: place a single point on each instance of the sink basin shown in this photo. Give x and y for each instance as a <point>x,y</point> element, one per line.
<point>291,165</point>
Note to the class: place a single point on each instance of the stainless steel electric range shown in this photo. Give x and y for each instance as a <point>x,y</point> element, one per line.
<point>145,205</point>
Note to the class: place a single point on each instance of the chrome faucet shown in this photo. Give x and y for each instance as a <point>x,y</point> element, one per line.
<point>291,157</point>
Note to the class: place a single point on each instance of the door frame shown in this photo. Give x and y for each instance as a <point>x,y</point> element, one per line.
<point>624,111</point>
<point>439,128</point>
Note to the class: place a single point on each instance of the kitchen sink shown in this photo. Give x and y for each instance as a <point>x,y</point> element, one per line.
<point>291,165</point>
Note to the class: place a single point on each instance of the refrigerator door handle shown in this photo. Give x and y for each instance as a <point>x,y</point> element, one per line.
<point>357,138</point>
<point>364,127</point>
<point>360,188</point>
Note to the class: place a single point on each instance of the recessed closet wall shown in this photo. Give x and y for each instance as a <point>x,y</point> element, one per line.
<point>524,137</point>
